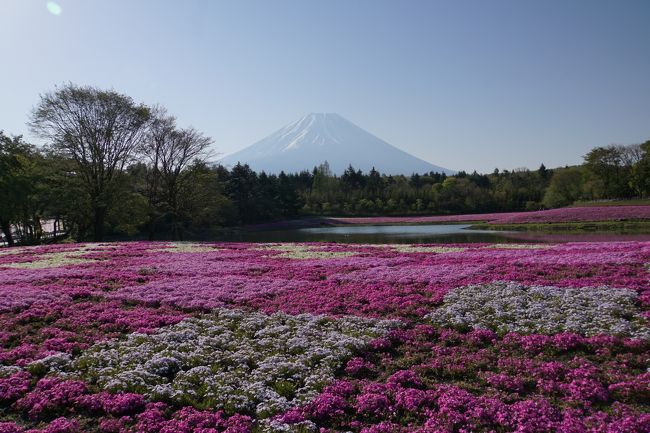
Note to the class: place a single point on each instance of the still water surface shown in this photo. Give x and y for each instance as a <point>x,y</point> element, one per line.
<point>431,233</point>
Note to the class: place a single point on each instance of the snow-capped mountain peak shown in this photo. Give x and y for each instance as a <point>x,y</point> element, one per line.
<point>319,137</point>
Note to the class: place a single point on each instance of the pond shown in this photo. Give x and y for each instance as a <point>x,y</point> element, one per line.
<point>426,233</point>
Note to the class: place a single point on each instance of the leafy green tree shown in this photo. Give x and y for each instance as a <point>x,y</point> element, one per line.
<point>374,183</point>
<point>66,197</point>
<point>170,151</point>
<point>289,200</point>
<point>543,172</point>
<point>565,187</point>
<point>203,206</point>
<point>129,213</point>
<point>352,179</point>
<point>241,189</point>
<point>16,182</point>
<point>640,178</point>
<point>100,130</point>
<point>611,168</point>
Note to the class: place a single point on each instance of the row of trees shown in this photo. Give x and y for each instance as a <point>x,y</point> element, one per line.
<point>112,166</point>
<point>612,172</point>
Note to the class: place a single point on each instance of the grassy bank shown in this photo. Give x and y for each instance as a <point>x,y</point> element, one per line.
<point>581,227</point>
<point>598,203</point>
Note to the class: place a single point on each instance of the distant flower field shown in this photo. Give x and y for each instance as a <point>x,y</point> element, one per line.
<point>250,338</point>
<point>561,215</point>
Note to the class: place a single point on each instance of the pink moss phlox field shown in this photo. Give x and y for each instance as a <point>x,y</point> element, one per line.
<point>562,215</point>
<point>442,380</point>
<point>47,327</point>
<point>60,304</point>
<point>54,402</point>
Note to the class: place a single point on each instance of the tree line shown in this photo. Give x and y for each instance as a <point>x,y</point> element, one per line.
<point>114,167</point>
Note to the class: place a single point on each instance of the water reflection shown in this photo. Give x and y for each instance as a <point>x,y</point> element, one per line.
<point>433,233</point>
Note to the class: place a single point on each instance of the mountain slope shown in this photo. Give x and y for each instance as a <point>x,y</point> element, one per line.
<point>320,137</point>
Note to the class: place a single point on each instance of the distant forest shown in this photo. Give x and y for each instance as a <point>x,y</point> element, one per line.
<point>113,168</point>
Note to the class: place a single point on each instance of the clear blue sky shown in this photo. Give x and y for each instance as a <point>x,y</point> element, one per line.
<point>463,84</point>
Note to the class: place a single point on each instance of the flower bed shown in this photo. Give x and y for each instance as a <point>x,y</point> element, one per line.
<point>513,307</point>
<point>229,360</point>
<point>324,338</point>
<point>562,215</point>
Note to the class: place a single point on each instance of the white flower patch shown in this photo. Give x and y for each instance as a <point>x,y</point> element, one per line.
<point>55,363</point>
<point>60,258</point>
<point>277,426</point>
<point>184,247</point>
<point>512,307</point>
<point>8,251</point>
<point>520,246</point>
<point>232,360</point>
<point>300,251</point>
<point>8,370</point>
<point>406,248</point>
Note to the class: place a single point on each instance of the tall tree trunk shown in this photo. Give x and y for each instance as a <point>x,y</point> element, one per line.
<point>175,231</point>
<point>6,228</point>
<point>152,226</point>
<point>38,228</point>
<point>100,215</point>
<point>173,204</point>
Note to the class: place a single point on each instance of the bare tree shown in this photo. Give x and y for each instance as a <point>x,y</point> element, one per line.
<point>100,130</point>
<point>170,151</point>
<point>631,154</point>
<point>161,132</point>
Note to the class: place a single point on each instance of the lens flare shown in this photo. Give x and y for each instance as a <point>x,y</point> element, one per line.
<point>54,8</point>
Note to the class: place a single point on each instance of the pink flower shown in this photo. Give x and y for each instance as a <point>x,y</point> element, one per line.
<point>51,396</point>
<point>358,367</point>
<point>123,404</point>
<point>10,427</point>
<point>372,404</point>
<point>14,386</point>
<point>327,405</point>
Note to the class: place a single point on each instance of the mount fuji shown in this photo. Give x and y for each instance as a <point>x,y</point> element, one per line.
<point>319,137</point>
